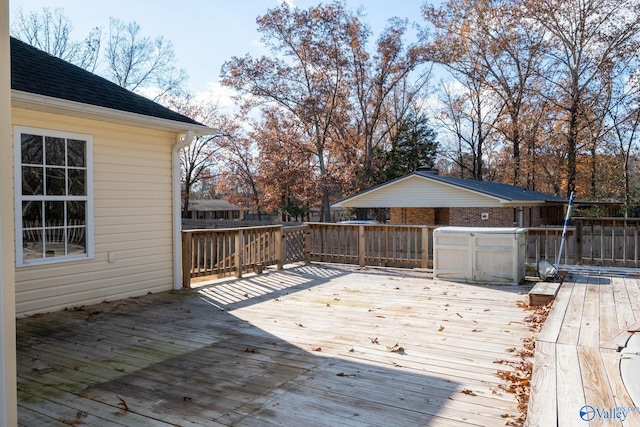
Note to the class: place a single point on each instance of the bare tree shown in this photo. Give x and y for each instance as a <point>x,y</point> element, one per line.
<point>128,58</point>
<point>138,63</point>
<point>51,32</point>
<point>585,41</point>
<point>305,76</point>
<point>199,161</point>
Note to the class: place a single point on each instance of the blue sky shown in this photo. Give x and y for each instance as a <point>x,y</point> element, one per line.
<point>204,33</point>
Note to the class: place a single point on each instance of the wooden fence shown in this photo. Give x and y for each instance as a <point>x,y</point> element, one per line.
<point>600,241</point>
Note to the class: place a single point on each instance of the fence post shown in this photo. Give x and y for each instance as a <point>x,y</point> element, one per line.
<point>239,250</point>
<point>362,245</point>
<point>425,247</point>
<point>579,242</point>
<point>279,235</point>
<point>186,260</point>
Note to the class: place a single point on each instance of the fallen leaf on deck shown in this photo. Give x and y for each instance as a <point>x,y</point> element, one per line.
<point>122,403</point>
<point>395,348</point>
<point>317,349</point>
<point>250,350</point>
<point>475,330</point>
<point>70,422</point>
<point>381,317</point>
<point>187,398</point>
<point>374,340</point>
<point>468,392</point>
<point>300,324</point>
<point>459,315</point>
<point>441,328</point>
<point>342,374</point>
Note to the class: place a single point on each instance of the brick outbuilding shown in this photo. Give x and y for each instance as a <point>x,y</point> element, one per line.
<point>427,198</point>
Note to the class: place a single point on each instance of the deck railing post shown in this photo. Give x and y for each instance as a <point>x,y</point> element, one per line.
<point>279,235</point>
<point>307,243</point>
<point>239,249</point>
<point>425,247</point>
<point>362,246</point>
<point>186,260</point>
<point>579,242</point>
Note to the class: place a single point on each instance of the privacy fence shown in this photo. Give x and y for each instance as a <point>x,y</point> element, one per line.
<point>233,251</point>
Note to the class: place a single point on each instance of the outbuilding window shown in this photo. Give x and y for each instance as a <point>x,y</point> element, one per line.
<point>54,196</point>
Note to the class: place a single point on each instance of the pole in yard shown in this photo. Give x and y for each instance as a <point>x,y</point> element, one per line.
<point>564,229</point>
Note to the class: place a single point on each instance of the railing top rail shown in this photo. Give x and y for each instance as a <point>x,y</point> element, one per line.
<point>609,218</point>
<point>220,230</point>
<point>555,228</point>
<point>325,224</point>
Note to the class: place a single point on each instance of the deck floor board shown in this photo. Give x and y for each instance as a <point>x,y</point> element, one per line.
<point>584,331</point>
<point>310,345</point>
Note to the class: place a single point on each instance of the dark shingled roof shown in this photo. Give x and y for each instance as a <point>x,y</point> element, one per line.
<point>502,191</point>
<point>37,72</point>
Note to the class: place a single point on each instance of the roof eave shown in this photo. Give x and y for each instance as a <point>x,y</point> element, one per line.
<point>31,101</point>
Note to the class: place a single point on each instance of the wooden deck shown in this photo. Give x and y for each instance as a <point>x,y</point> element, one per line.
<point>576,368</point>
<point>310,345</point>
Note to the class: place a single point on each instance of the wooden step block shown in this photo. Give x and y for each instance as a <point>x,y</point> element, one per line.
<point>543,293</point>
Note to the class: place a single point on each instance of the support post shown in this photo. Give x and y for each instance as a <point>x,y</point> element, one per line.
<point>579,242</point>
<point>187,253</point>
<point>307,243</point>
<point>279,235</point>
<point>362,246</point>
<point>239,251</point>
<point>425,247</point>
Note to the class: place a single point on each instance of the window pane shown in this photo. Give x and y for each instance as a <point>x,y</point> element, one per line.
<point>55,151</point>
<point>54,214</point>
<point>75,153</point>
<point>31,149</point>
<point>32,180</point>
<point>31,214</point>
<point>56,183</point>
<point>32,243</point>
<point>76,213</point>
<point>76,241</point>
<point>77,182</point>
<point>55,243</point>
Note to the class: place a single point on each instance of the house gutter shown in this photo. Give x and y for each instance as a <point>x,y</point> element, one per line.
<point>182,141</point>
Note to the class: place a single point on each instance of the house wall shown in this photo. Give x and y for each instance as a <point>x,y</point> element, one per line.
<point>429,216</point>
<point>8,397</point>
<point>476,217</point>
<point>132,218</point>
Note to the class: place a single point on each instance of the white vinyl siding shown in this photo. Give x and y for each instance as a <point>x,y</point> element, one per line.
<point>132,220</point>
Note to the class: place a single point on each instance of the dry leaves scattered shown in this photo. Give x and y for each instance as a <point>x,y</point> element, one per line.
<point>518,379</point>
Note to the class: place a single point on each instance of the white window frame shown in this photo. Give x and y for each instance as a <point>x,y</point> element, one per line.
<point>89,233</point>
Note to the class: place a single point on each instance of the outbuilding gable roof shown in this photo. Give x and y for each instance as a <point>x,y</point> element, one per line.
<point>495,189</point>
<point>428,189</point>
<point>37,72</point>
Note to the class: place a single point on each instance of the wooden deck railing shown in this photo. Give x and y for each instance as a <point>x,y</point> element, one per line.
<point>602,241</point>
<point>383,245</point>
<point>608,241</point>
<point>227,251</point>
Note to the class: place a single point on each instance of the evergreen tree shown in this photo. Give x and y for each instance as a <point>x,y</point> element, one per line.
<point>412,145</point>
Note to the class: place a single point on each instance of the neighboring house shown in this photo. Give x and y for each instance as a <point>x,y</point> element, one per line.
<point>214,209</point>
<point>424,197</point>
<point>97,186</point>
